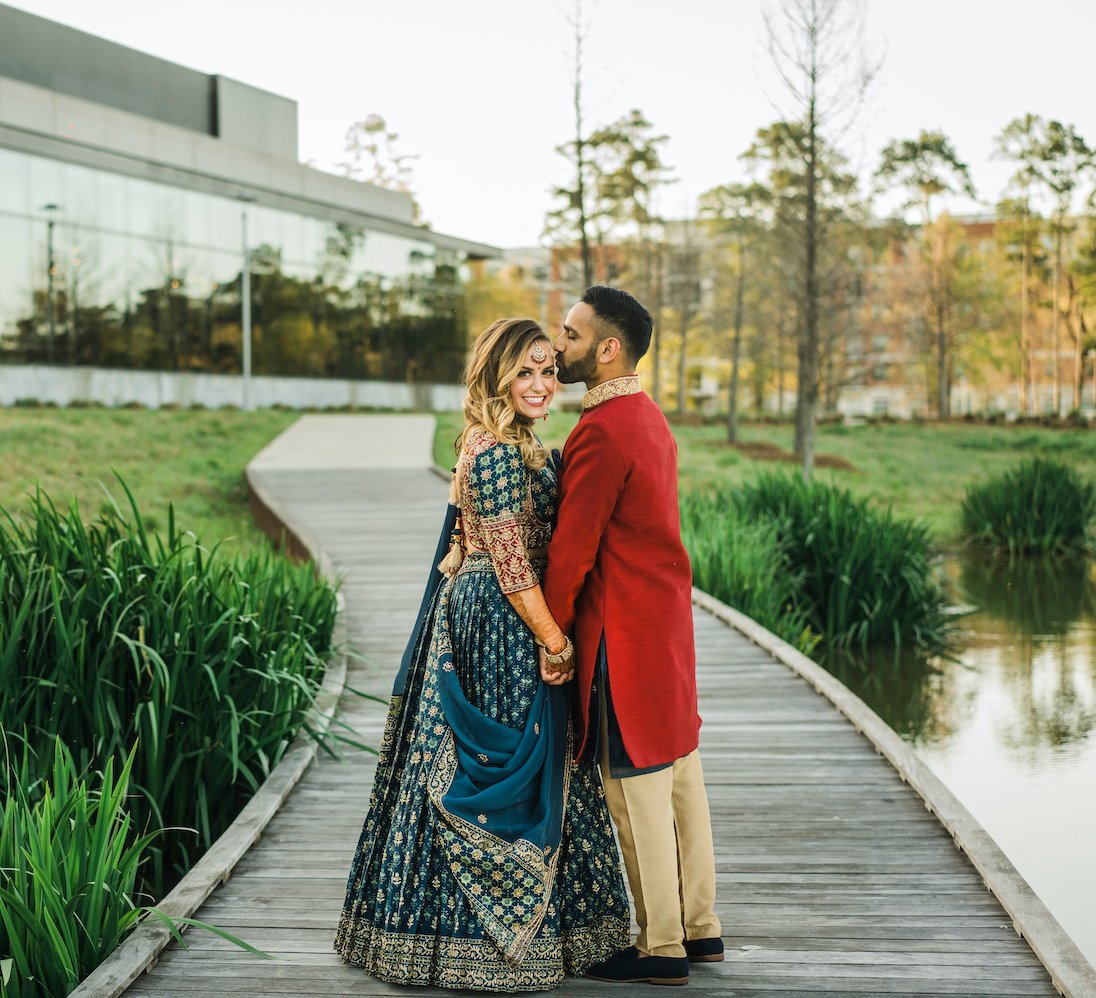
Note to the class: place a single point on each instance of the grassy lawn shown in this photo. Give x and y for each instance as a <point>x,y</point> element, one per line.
<point>922,470</point>
<point>194,459</point>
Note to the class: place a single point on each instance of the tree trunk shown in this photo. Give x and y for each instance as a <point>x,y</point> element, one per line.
<point>736,351</point>
<point>580,158</point>
<point>656,332</point>
<point>1025,373</point>
<point>1056,388</point>
<point>808,342</point>
<point>682,359</point>
<point>943,379</point>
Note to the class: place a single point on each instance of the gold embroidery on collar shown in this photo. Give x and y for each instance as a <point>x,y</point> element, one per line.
<point>618,387</point>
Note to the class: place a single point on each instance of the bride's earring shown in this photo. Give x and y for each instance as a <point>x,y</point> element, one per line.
<point>547,413</point>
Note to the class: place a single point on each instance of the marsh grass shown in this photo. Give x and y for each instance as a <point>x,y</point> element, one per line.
<point>70,863</point>
<point>111,636</point>
<point>1041,506</point>
<point>744,564</point>
<point>865,577</point>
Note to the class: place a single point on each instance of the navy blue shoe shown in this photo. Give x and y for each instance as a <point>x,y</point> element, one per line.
<point>704,950</point>
<point>629,966</point>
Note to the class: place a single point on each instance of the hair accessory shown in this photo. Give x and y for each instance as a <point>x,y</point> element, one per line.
<point>538,353</point>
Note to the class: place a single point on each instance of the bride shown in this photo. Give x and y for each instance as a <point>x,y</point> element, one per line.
<point>487,859</point>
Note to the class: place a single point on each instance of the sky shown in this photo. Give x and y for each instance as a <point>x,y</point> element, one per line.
<point>480,91</point>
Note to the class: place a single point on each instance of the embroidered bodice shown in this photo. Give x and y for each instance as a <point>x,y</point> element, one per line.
<point>506,507</point>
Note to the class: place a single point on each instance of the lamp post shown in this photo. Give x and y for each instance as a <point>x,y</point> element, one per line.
<point>51,210</point>
<point>245,300</point>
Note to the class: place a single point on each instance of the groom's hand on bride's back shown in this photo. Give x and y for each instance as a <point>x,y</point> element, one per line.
<point>551,675</point>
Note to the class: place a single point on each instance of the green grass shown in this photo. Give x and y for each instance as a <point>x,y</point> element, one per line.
<point>920,470</point>
<point>193,459</point>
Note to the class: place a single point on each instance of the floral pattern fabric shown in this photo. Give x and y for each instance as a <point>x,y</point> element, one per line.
<point>437,898</point>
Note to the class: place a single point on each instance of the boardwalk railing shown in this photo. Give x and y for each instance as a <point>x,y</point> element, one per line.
<point>1070,972</point>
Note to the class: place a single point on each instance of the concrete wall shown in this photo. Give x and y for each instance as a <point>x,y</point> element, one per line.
<point>246,116</point>
<point>65,60</point>
<point>113,387</point>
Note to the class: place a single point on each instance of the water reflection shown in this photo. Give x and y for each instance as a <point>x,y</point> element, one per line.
<point>1009,724</point>
<point>1032,596</point>
<point>898,684</point>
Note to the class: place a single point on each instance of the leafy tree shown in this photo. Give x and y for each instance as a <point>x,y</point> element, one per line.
<point>927,167</point>
<point>1065,162</point>
<point>738,214</point>
<point>1021,142</point>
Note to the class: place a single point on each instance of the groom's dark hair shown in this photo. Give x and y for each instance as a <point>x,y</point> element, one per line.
<point>624,316</point>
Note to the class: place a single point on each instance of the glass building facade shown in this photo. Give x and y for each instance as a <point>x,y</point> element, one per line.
<point>100,268</point>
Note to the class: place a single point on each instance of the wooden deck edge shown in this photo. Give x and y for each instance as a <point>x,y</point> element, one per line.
<point>1070,971</point>
<point>139,951</point>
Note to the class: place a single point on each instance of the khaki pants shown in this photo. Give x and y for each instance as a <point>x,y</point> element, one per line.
<point>665,834</point>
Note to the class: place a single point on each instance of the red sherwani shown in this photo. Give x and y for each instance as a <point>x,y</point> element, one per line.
<point>616,564</point>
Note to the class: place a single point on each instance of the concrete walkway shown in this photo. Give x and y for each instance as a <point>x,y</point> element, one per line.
<point>833,877</point>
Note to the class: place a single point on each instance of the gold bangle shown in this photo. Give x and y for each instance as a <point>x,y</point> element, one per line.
<point>562,656</point>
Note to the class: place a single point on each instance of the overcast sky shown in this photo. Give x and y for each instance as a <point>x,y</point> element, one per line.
<point>480,90</point>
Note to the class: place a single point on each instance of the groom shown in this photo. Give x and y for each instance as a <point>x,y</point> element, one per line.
<point>618,577</point>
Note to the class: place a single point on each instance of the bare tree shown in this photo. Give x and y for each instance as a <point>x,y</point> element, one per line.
<point>572,218</point>
<point>818,52</point>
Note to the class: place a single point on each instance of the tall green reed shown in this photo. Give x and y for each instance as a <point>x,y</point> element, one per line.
<point>110,636</point>
<point>1040,507</point>
<point>70,860</point>
<point>69,863</point>
<point>860,576</point>
<point>745,565</point>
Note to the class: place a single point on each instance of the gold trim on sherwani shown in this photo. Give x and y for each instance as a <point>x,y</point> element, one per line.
<point>617,388</point>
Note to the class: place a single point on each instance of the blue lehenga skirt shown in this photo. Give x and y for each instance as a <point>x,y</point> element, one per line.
<point>487,860</point>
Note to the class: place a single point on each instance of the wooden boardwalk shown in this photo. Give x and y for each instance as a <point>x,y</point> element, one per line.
<point>833,877</point>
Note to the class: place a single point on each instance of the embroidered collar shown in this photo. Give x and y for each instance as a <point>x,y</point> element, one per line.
<point>618,387</point>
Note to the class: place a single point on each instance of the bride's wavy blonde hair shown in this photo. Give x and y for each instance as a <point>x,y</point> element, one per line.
<point>497,356</point>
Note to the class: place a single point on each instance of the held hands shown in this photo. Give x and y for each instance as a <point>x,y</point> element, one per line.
<point>555,675</point>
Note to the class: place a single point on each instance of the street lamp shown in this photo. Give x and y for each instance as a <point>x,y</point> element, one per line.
<point>51,210</point>
<point>245,299</point>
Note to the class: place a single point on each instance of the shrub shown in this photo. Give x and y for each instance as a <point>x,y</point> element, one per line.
<point>1040,506</point>
<point>743,564</point>
<point>865,577</point>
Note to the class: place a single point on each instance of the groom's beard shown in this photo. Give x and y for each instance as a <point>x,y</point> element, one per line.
<point>581,369</point>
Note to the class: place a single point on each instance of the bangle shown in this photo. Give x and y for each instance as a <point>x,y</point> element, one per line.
<point>562,656</point>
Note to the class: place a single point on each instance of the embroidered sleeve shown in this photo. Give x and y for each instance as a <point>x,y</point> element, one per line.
<point>498,482</point>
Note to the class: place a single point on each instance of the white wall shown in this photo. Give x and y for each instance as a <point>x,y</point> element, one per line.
<point>115,387</point>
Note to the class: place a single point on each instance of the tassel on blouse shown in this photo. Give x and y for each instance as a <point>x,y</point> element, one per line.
<point>455,558</point>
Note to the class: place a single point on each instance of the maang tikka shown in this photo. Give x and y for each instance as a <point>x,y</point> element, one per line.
<point>538,353</point>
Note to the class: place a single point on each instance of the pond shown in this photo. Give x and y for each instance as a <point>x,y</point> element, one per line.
<point>1009,725</point>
